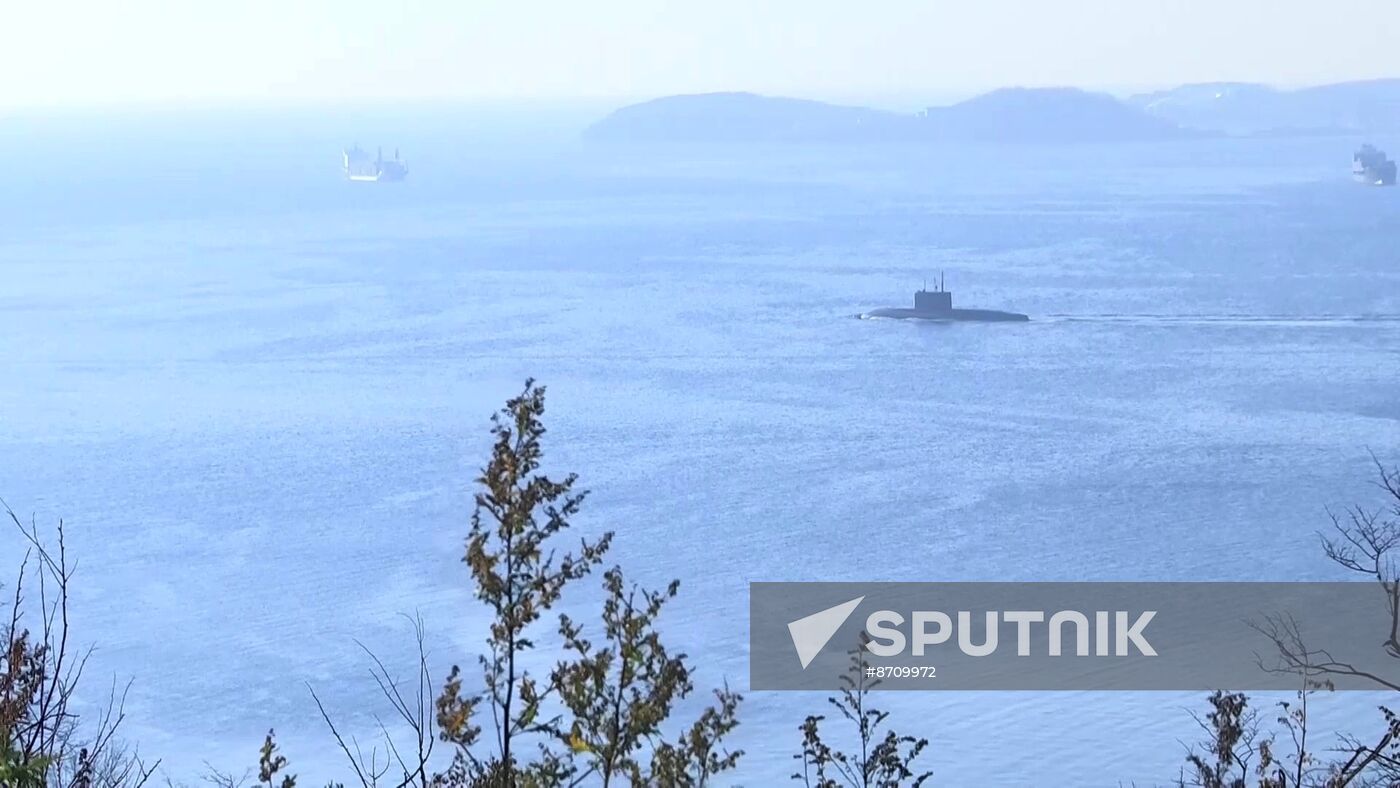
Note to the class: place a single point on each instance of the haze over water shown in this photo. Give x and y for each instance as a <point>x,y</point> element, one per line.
<point>258,395</point>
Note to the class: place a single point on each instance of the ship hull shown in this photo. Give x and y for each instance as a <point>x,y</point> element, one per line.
<point>952,315</point>
<point>380,178</point>
<point>1372,178</point>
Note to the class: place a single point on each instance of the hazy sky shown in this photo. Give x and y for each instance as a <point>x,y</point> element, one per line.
<point>62,53</point>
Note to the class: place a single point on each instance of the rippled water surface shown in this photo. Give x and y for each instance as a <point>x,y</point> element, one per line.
<point>258,395</point>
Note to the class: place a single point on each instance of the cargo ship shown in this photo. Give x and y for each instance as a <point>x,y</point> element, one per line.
<point>359,166</point>
<point>1371,167</point>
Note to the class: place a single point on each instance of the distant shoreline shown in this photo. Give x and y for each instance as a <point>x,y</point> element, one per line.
<point>1022,115</point>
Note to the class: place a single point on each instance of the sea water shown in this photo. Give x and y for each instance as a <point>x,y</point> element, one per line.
<point>258,395</point>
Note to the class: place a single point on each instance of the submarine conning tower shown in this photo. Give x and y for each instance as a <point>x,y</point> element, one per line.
<point>933,301</point>
<point>939,300</point>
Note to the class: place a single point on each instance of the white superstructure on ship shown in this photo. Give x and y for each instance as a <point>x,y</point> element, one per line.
<point>359,166</point>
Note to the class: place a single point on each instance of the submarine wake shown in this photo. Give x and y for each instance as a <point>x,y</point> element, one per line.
<point>1301,321</point>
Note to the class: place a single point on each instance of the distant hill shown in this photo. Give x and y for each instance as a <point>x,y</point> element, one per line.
<point>1245,108</point>
<point>742,117</point>
<point>1046,115</point>
<point>1060,115</point>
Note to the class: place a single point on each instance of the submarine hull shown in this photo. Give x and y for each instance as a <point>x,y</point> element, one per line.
<point>952,315</point>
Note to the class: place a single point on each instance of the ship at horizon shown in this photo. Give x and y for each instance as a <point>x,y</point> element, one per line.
<point>1370,166</point>
<point>359,166</point>
<point>937,305</point>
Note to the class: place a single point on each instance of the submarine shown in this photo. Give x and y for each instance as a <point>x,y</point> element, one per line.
<point>938,305</point>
